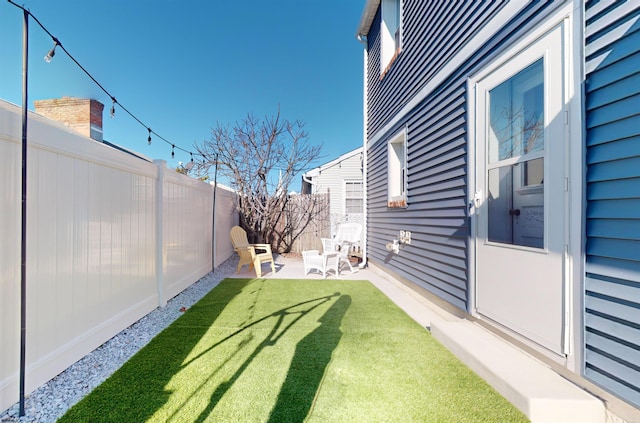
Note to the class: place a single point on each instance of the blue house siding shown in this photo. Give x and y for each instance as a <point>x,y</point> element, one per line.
<point>612,282</point>
<point>431,35</point>
<point>437,213</point>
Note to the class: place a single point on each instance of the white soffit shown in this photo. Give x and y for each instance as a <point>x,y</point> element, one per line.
<point>369,12</point>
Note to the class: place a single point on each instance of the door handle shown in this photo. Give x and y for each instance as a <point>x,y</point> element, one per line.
<point>515,212</point>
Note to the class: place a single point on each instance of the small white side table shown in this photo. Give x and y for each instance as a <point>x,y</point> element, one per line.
<point>313,260</point>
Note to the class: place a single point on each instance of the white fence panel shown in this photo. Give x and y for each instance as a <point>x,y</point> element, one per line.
<point>109,238</point>
<point>187,231</point>
<point>80,287</point>
<point>226,218</point>
<point>9,260</point>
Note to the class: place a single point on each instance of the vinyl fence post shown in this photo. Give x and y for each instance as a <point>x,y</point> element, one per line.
<point>161,165</point>
<point>213,224</point>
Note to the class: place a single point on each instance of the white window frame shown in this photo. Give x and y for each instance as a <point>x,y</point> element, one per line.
<point>390,33</point>
<point>397,170</point>
<point>345,191</point>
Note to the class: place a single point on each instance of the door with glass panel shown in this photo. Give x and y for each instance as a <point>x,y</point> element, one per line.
<point>521,191</point>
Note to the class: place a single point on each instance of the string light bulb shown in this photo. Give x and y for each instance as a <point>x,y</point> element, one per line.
<point>52,52</point>
<point>149,139</point>
<point>113,107</point>
<point>190,165</point>
<point>173,154</point>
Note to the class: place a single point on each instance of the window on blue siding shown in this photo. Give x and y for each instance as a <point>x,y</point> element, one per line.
<point>390,33</point>
<point>397,170</point>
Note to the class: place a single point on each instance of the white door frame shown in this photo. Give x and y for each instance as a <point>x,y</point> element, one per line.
<point>574,174</point>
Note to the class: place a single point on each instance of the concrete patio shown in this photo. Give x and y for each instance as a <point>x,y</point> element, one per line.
<point>539,392</point>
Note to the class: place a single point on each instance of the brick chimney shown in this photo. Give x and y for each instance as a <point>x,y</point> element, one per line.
<point>82,115</point>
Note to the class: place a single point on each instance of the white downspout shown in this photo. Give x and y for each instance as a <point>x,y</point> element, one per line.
<point>364,150</point>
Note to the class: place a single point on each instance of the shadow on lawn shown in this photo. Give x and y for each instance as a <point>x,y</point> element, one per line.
<point>312,356</point>
<point>308,365</point>
<point>138,389</point>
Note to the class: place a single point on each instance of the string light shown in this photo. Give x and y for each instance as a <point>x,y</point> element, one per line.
<point>190,165</point>
<point>52,52</point>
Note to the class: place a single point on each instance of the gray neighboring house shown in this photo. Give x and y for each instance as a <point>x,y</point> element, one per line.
<point>505,137</point>
<point>342,178</point>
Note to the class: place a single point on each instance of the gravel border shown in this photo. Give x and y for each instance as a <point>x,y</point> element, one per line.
<point>50,401</point>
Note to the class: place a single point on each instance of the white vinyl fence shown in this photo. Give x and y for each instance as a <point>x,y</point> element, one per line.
<point>110,237</point>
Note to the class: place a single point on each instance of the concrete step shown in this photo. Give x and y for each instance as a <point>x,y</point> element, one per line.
<point>540,393</point>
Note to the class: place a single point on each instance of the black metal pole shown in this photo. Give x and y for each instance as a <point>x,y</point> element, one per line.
<point>215,190</point>
<point>23,248</point>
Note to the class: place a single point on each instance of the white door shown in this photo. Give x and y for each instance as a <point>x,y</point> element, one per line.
<point>520,176</point>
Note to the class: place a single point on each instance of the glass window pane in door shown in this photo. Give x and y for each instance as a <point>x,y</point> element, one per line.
<point>515,205</point>
<point>516,115</point>
<point>515,200</point>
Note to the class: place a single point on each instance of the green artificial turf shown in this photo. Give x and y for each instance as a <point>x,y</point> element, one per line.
<point>269,350</point>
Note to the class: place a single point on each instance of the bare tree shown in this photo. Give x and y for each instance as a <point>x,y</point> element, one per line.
<point>260,158</point>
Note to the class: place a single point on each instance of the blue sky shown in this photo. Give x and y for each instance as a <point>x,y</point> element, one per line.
<point>183,66</point>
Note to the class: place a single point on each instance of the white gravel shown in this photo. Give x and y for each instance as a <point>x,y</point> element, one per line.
<point>50,401</point>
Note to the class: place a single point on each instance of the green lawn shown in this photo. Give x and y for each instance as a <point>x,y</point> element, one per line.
<point>289,351</point>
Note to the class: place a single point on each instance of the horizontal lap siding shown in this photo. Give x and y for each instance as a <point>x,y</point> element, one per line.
<point>612,283</point>
<point>431,35</point>
<point>436,216</point>
<point>433,32</point>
